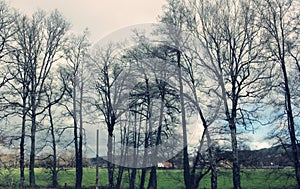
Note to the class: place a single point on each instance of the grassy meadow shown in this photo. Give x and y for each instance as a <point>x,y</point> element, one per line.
<point>167,179</point>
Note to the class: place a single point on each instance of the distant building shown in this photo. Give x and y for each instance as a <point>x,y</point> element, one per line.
<point>165,164</point>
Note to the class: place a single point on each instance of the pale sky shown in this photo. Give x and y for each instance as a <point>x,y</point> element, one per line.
<point>101,16</point>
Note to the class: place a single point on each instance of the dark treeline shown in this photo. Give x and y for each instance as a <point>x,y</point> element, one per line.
<point>214,70</point>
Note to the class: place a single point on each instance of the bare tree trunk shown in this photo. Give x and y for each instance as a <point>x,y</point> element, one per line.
<point>97,159</point>
<point>23,131</point>
<point>143,178</point>
<point>135,150</point>
<point>32,137</point>
<point>77,183</point>
<point>153,176</point>
<point>54,164</point>
<point>236,178</point>
<point>145,155</point>
<point>195,184</point>
<point>22,144</point>
<point>122,157</point>
<point>147,131</point>
<point>32,155</point>
<point>186,165</point>
<point>132,178</point>
<point>291,124</point>
<point>153,179</point>
<point>212,162</point>
<point>119,179</point>
<point>235,155</point>
<point>80,166</point>
<point>110,166</point>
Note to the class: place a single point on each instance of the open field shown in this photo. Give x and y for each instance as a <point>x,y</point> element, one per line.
<point>251,178</point>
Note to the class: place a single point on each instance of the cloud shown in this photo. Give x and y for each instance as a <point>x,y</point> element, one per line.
<point>256,145</point>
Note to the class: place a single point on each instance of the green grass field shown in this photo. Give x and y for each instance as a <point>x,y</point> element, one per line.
<point>167,179</point>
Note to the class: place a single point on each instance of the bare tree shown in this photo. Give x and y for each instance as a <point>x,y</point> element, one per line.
<point>38,41</point>
<point>12,67</point>
<point>19,88</point>
<point>109,83</point>
<point>230,52</point>
<point>207,107</point>
<point>280,21</point>
<point>176,26</point>
<point>77,56</point>
<point>174,30</point>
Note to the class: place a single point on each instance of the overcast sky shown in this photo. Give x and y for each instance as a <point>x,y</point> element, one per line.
<point>101,16</point>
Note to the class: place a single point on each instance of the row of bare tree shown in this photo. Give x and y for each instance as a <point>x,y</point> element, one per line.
<point>249,52</point>
<point>226,67</point>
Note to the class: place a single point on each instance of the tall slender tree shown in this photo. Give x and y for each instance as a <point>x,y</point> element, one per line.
<point>176,14</point>
<point>8,19</point>
<point>280,21</point>
<point>76,53</point>
<point>207,107</point>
